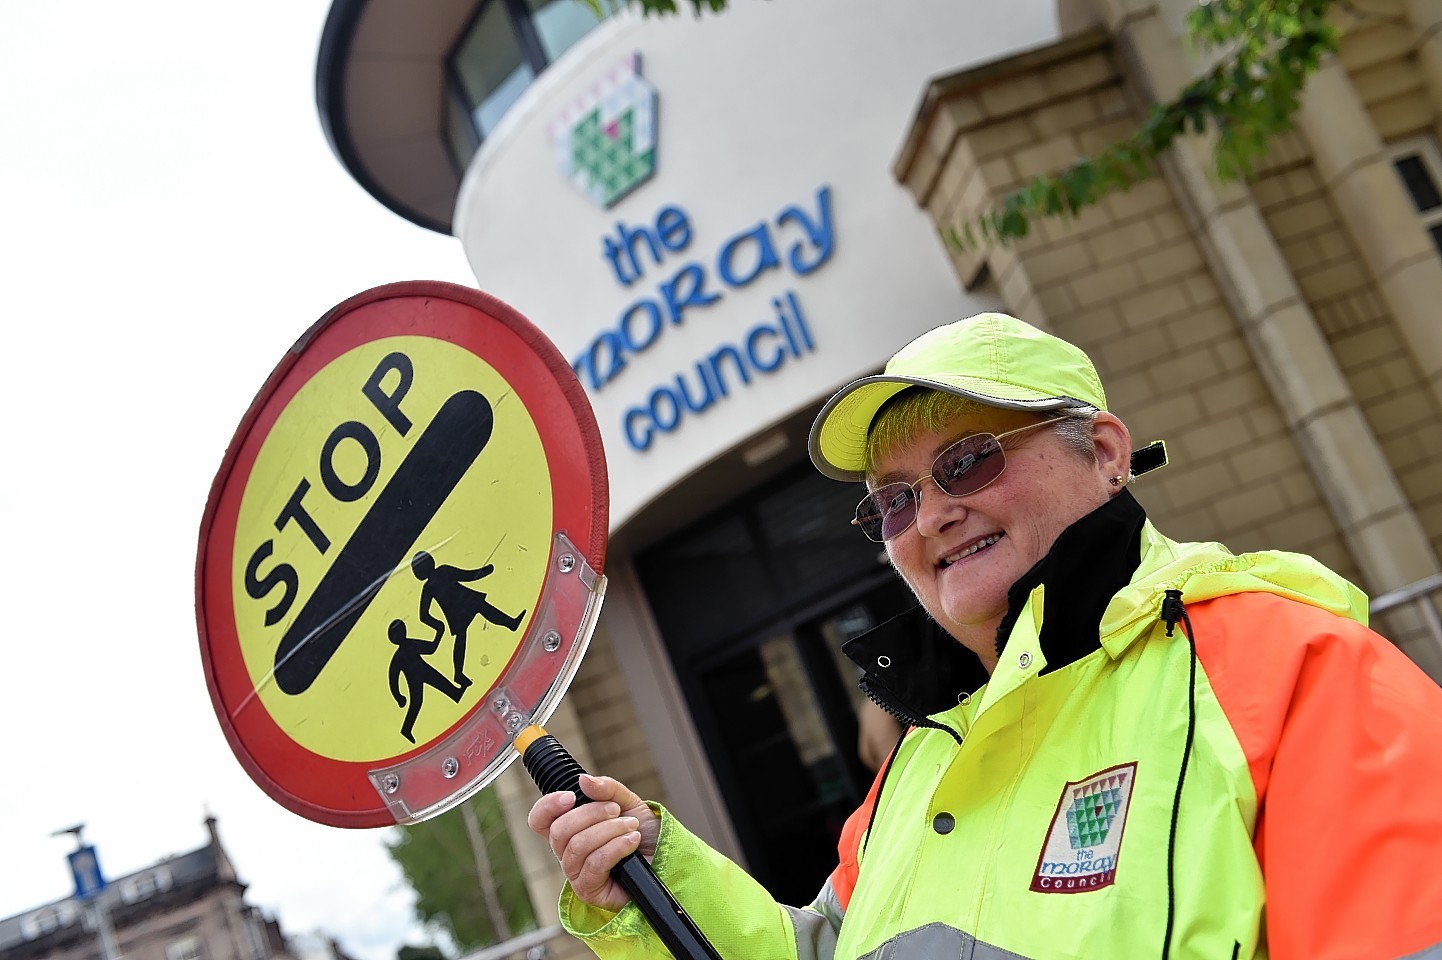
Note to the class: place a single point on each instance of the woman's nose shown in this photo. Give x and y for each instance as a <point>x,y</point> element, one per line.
<point>935,511</point>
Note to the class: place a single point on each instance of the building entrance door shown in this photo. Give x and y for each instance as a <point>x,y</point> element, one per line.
<point>783,738</point>
<point>754,604</point>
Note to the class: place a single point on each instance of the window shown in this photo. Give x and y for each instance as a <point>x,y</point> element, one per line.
<point>48,920</point>
<point>145,884</point>
<point>255,934</point>
<point>1419,165</point>
<point>498,56</point>
<point>186,948</point>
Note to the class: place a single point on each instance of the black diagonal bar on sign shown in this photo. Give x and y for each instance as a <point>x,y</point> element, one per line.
<point>383,540</point>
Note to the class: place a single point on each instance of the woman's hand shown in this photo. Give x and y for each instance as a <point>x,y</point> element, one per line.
<point>591,839</point>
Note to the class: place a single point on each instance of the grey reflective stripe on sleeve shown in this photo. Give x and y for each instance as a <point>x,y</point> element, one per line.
<point>827,904</point>
<point>816,926</point>
<point>937,941</point>
<point>1433,952</point>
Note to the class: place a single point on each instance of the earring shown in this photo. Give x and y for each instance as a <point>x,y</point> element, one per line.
<point>1118,481</point>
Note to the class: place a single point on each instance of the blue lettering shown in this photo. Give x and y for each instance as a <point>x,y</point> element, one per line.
<point>673,418</point>
<point>800,320</point>
<point>696,406</point>
<point>628,422</point>
<point>628,237</point>
<point>653,330</point>
<point>695,295</point>
<point>672,232</point>
<point>1099,866</point>
<point>819,232</point>
<point>673,229</point>
<point>631,249</point>
<point>714,361</point>
<point>752,339</point>
<point>611,252</point>
<point>780,309</point>
<point>589,364</point>
<point>762,349</point>
<point>766,258</point>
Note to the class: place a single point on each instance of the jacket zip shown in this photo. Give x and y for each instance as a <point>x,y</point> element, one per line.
<point>882,699</point>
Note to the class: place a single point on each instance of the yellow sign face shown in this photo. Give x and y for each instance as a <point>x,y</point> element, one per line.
<point>391,545</point>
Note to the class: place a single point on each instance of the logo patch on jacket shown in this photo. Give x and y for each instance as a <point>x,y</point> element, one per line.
<point>1085,837</point>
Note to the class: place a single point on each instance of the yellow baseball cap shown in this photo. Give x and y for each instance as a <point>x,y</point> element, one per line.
<point>992,358</point>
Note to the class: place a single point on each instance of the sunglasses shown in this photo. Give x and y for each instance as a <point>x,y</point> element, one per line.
<point>967,466</point>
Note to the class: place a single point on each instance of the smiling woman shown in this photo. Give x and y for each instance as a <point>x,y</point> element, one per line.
<point>1101,705</point>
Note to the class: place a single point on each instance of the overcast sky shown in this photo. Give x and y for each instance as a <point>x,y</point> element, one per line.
<point>172,221</point>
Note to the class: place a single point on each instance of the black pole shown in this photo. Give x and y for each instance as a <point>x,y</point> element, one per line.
<point>555,770</point>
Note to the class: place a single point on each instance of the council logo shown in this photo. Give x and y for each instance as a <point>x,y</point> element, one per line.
<point>1085,838</point>
<point>606,139</point>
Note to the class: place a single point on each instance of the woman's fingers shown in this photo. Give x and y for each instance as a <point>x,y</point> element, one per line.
<point>547,810</point>
<point>591,838</point>
<point>593,883</point>
<point>576,822</point>
<point>589,855</point>
<point>604,788</point>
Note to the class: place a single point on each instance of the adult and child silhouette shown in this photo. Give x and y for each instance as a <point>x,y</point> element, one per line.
<point>443,586</point>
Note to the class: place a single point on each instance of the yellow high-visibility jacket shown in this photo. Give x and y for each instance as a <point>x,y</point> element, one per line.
<point>1181,753</point>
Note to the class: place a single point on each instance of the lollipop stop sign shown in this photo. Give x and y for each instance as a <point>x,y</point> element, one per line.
<point>400,560</point>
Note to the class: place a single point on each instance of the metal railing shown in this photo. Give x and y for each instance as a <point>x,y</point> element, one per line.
<point>519,946</point>
<point>1418,594</point>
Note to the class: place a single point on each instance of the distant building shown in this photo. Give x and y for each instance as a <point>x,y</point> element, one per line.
<point>186,907</point>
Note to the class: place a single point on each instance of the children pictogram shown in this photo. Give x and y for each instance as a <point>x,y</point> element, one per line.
<point>409,661</point>
<point>444,585</point>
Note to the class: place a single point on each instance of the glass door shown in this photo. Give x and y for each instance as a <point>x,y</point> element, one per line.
<point>782,718</point>
<point>753,603</point>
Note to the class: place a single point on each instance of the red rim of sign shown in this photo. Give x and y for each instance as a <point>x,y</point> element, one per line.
<point>338,792</point>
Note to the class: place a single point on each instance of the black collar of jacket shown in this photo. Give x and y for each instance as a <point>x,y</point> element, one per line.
<point>910,661</point>
<point>1089,563</point>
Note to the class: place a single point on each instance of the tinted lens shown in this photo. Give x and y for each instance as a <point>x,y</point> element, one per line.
<point>886,511</point>
<point>969,464</point>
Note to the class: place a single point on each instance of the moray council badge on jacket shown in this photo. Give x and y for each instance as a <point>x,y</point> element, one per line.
<point>1085,838</point>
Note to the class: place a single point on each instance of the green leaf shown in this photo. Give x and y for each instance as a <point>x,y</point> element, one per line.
<point>1268,50</point>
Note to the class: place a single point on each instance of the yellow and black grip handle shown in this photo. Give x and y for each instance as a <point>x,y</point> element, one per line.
<point>555,770</point>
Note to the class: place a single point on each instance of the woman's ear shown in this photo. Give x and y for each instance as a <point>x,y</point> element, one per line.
<point>1113,444</point>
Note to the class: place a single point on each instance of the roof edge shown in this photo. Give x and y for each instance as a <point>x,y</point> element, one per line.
<point>939,89</point>
<point>331,61</point>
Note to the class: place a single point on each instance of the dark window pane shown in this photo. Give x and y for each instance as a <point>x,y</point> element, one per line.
<point>709,584</point>
<point>1436,233</point>
<point>460,134</point>
<point>492,69</point>
<point>1418,181</point>
<point>789,794</point>
<point>808,532</point>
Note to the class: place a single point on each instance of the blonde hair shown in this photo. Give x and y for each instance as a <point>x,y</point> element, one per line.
<point>918,410</point>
